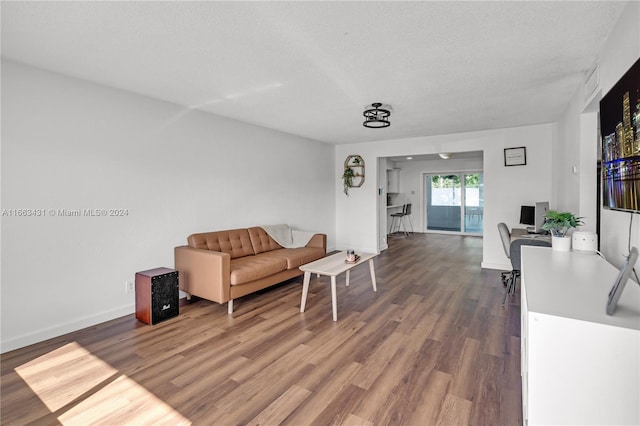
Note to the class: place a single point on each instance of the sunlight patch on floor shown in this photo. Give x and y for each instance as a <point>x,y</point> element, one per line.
<point>123,402</point>
<point>61,376</point>
<point>87,390</point>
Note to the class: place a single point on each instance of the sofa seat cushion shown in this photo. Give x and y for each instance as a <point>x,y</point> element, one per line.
<point>296,257</point>
<point>251,268</point>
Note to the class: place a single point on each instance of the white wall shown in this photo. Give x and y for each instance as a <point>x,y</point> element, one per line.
<point>70,144</point>
<point>383,164</point>
<point>579,139</point>
<point>506,188</point>
<point>567,155</point>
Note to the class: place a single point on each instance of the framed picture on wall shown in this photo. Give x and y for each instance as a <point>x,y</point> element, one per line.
<point>515,156</point>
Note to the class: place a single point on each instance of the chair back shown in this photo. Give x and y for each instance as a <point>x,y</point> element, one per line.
<point>505,236</point>
<point>407,209</point>
<point>516,252</point>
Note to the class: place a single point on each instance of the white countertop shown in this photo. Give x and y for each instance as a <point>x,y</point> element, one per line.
<point>577,286</point>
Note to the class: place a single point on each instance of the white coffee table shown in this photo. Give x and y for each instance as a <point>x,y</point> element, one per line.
<point>333,266</point>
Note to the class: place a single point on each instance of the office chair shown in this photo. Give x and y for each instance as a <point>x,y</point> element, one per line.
<point>516,256</point>
<point>505,236</point>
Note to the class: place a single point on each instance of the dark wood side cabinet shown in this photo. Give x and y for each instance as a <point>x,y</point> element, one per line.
<point>157,295</point>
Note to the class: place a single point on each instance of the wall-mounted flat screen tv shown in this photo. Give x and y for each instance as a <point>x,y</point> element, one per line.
<point>619,123</point>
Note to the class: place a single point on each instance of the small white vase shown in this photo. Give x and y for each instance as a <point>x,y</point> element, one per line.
<point>560,243</point>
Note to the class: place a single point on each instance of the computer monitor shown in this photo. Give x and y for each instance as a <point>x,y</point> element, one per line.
<point>534,216</point>
<point>528,215</point>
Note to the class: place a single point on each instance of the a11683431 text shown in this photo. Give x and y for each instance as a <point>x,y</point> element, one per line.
<point>51,212</point>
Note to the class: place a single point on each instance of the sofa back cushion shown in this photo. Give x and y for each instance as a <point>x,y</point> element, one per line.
<point>236,242</point>
<point>262,241</point>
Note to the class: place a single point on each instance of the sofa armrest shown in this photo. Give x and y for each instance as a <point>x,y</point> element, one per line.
<point>318,240</point>
<point>204,273</point>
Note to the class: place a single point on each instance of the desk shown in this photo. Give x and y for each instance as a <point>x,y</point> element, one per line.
<point>579,365</point>
<point>517,233</point>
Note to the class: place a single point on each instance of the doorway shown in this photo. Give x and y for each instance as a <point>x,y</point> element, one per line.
<point>454,202</point>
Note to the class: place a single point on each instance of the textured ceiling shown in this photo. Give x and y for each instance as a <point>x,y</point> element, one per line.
<point>310,68</point>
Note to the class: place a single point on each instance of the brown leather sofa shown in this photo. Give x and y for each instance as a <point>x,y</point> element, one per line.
<point>225,265</point>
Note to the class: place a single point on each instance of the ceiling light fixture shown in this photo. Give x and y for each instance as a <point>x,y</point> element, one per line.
<point>376,117</point>
<point>445,155</point>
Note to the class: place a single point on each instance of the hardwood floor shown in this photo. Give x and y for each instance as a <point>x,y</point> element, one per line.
<point>434,346</point>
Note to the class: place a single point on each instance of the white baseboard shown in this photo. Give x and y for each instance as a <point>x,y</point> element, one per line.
<point>61,329</point>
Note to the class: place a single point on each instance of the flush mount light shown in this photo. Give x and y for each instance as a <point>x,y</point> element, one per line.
<point>376,117</point>
<point>445,155</point>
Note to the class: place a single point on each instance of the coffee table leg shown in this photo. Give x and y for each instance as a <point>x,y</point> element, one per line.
<point>348,275</point>
<point>373,274</point>
<point>305,290</point>
<point>334,301</point>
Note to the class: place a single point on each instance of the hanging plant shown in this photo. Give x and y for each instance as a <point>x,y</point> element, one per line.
<point>353,175</point>
<point>347,179</point>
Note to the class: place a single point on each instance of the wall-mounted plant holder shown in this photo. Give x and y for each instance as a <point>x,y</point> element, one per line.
<point>353,175</point>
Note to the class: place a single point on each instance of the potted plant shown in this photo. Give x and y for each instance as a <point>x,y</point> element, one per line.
<point>347,179</point>
<point>558,223</point>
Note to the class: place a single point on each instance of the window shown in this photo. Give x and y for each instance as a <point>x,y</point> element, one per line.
<point>454,202</point>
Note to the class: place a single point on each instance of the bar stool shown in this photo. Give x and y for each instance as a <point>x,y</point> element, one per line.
<point>406,211</point>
